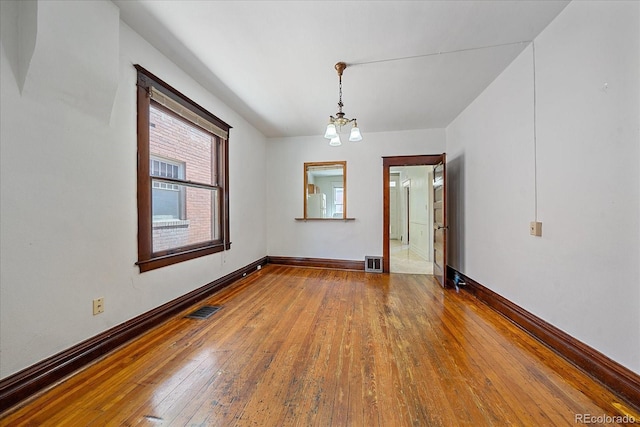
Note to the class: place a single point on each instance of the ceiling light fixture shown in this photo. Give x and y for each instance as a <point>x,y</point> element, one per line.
<point>336,123</point>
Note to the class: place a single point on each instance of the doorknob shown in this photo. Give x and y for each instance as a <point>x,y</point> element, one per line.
<point>441,227</point>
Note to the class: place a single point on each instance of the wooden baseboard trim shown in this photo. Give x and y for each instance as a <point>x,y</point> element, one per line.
<point>29,381</point>
<point>339,264</point>
<point>619,379</point>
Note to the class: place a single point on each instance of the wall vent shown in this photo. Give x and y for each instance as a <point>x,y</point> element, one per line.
<point>373,264</point>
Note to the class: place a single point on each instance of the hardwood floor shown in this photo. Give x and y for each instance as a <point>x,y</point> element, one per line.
<point>315,347</point>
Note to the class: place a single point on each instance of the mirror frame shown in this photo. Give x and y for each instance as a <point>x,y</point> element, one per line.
<point>338,164</point>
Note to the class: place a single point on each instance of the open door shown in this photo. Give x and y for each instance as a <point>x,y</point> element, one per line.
<point>439,223</point>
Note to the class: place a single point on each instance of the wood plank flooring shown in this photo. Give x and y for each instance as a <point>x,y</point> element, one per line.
<point>312,347</point>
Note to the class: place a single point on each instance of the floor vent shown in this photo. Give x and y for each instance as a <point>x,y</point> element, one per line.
<point>373,264</point>
<point>204,312</point>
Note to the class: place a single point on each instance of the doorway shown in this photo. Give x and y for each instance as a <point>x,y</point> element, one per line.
<point>410,221</point>
<point>438,211</point>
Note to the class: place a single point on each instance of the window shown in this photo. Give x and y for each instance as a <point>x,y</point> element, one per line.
<point>183,197</point>
<point>167,199</point>
<point>338,200</point>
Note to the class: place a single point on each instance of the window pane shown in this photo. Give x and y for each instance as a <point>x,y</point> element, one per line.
<point>199,222</point>
<point>174,138</point>
<point>165,202</point>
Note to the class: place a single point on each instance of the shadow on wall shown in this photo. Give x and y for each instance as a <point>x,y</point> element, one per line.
<point>455,212</point>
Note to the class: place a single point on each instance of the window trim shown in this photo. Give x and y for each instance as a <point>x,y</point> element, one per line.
<point>147,259</point>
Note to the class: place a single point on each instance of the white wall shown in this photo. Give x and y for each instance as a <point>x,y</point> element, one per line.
<point>583,274</point>
<point>68,185</point>
<point>351,240</point>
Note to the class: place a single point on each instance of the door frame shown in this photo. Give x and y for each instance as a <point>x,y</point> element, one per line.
<point>387,163</point>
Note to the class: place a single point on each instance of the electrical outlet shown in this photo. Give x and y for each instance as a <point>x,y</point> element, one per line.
<point>535,228</point>
<point>98,306</point>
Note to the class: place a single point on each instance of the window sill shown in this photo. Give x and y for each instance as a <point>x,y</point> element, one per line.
<point>171,223</point>
<point>165,260</point>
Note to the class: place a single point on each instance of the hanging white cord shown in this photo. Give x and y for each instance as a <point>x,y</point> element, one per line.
<point>351,64</point>
<point>535,136</point>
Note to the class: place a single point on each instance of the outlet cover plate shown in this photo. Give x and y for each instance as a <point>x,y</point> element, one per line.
<point>98,306</point>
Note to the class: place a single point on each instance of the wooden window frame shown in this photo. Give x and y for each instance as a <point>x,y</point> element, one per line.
<point>147,259</point>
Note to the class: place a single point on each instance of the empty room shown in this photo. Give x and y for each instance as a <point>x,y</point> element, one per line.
<point>319,213</point>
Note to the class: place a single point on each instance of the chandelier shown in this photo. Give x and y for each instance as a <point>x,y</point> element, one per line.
<point>336,123</point>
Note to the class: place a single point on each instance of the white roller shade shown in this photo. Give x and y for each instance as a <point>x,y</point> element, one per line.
<point>187,114</point>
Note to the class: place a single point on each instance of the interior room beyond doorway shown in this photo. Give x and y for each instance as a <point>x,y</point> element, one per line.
<point>410,219</point>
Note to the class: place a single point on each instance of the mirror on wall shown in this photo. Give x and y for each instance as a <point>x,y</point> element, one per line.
<point>325,190</point>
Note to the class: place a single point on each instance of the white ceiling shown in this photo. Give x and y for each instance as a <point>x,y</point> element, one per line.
<point>273,61</point>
